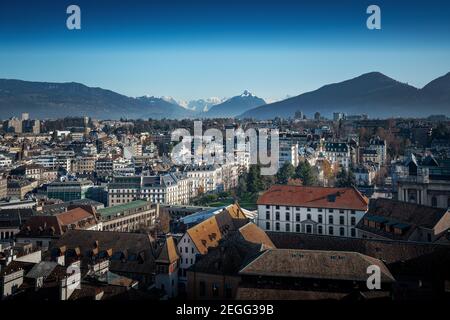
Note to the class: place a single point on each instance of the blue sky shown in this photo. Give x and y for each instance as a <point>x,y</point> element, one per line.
<point>201,48</point>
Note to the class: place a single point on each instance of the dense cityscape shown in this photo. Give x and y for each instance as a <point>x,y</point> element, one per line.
<point>97,209</point>
<point>227,158</point>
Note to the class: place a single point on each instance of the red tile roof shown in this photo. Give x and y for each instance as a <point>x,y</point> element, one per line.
<point>314,197</point>
<point>74,216</point>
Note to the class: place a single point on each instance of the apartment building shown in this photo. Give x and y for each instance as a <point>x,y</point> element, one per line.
<point>205,178</point>
<point>168,188</point>
<point>334,152</point>
<point>128,217</point>
<point>313,210</point>
<point>425,181</point>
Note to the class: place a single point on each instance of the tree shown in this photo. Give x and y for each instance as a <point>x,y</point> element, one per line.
<point>254,182</point>
<point>305,172</point>
<point>327,170</point>
<point>286,172</point>
<point>242,184</point>
<point>345,179</point>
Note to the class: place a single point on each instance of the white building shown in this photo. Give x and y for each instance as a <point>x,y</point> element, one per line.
<point>288,153</point>
<point>206,178</point>
<point>334,152</point>
<point>315,210</point>
<point>169,188</point>
<point>379,146</point>
<point>5,161</point>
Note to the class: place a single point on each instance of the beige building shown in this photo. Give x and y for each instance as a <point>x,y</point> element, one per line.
<point>19,188</point>
<point>84,164</point>
<point>3,187</point>
<point>128,217</point>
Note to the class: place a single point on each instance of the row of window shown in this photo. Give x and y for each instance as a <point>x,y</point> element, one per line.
<point>330,210</point>
<point>309,229</point>
<point>308,217</point>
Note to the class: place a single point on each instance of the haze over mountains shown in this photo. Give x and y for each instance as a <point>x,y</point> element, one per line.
<point>56,100</point>
<point>373,93</point>
<point>235,106</point>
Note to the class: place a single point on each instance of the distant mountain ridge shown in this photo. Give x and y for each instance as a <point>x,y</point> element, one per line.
<point>235,106</point>
<point>372,93</point>
<point>57,100</point>
<point>198,105</point>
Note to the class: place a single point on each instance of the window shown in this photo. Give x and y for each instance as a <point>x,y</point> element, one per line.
<point>330,219</point>
<point>308,217</point>
<point>202,288</point>
<point>192,250</point>
<point>319,217</point>
<point>215,290</point>
<point>287,208</point>
<point>330,231</point>
<point>320,210</point>
<point>433,201</point>
<point>297,228</point>
<point>287,216</point>
<point>308,228</point>
<point>277,226</point>
<point>288,227</point>
<point>341,211</point>
<point>352,221</point>
<point>267,225</point>
<point>267,207</point>
<point>298,209</point>
<point>277,216</point>
<point>309,209</point>
<point>353,212</point>
<point>186,249</point>
<point>342,231</point>
<point>277,207</point>
<point>448,202</point>
<point>353,232</point>
<point>319,230</point>
<point>267,216</point>
<point>297,217</point>
<point>330,210</point>
<point>341,220</point>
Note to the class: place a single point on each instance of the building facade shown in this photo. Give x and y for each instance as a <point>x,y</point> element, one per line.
<point>314,210</point>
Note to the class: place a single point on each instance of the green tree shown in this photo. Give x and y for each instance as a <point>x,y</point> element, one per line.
<point>305,172</point>
<point>254,182</point>
<point>285,173</point>
<point>345,179</point>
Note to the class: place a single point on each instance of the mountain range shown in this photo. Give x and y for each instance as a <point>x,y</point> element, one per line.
<point>57,100</point>
<point>199,105</point>
<point>372,93</point>
<point>234,106</point>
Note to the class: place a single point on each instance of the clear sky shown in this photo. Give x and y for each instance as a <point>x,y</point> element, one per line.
<point>192,49</point>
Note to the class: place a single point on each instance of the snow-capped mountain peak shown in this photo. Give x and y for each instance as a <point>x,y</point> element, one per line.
<point>247,93</point>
